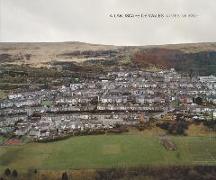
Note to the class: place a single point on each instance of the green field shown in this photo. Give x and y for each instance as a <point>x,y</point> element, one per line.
<point>103,151</point>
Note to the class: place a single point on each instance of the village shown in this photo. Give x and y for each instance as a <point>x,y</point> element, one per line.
<point>114,98</point>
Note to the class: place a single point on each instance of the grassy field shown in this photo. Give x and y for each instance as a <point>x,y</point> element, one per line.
<point>103,151</point>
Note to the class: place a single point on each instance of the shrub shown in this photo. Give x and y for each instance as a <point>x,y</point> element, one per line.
<point>14,173</point>
<point>65,176</point>
<point>7,172</point>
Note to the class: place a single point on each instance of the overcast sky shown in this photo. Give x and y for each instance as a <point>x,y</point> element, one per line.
<point>89,21</point>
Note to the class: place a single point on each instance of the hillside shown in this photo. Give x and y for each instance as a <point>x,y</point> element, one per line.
<point>200,62</point>
<point>199,57</point>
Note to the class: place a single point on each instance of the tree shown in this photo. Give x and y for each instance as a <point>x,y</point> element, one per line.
<point>35,171</point>
<point>117,125</point>
<point>142,119</point>
<point>14,173</point>
<point>198,100</point>
<point>7,172</point>
<point>65,176</point>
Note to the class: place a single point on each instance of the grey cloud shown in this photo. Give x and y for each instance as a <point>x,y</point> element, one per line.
<point>88,21</point>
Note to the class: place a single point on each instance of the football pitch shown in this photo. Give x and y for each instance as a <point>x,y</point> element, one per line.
<point>105,151</point>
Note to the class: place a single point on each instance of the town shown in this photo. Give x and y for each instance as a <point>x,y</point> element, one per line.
<point>115,98</point>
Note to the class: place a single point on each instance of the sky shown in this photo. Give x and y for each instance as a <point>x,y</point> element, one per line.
<point>90,21</point>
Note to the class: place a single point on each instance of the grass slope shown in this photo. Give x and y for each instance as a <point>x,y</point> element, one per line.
<point>103,151</point>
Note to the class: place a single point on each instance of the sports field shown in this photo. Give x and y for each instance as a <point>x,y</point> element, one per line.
<point>108,151</point>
